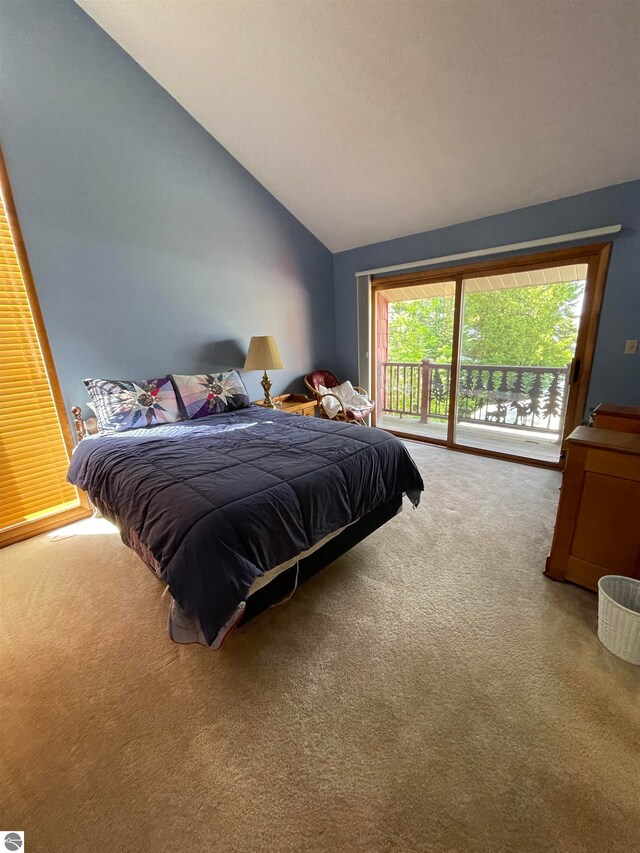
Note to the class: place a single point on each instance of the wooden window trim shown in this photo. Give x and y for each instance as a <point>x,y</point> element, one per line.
<point>502,266</point>
<point>24,530</point>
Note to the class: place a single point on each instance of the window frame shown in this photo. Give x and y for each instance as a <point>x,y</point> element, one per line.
<point>27,529</point>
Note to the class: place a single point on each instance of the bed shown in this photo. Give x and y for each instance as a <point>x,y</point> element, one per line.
<point>219,505</point>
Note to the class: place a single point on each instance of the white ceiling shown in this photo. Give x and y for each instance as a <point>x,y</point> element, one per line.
<point>373,119</point>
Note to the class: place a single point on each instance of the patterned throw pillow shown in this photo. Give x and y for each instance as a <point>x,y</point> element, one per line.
<point>126,404</point>
<point>211,393</point>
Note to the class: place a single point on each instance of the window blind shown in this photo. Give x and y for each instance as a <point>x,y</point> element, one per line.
<point>33,451</point>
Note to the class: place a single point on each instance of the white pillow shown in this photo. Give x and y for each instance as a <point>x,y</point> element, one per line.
<point>347,395</point>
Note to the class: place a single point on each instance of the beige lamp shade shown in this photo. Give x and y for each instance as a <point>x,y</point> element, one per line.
<point>263,354</point>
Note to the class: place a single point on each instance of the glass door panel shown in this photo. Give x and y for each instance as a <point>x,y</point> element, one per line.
<point>413,339</point>
<point>517,342</point>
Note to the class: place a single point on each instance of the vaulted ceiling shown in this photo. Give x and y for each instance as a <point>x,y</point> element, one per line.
<point>373,119</point>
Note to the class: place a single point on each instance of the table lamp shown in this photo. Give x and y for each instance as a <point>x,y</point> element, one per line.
<point>263,355</point>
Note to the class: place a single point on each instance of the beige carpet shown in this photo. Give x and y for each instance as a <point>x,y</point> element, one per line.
<point>429,691</point>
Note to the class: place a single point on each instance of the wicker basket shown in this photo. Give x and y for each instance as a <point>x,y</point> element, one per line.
<point>619,616</point>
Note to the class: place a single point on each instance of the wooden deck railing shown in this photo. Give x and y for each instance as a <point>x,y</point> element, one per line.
<point>498,394</point>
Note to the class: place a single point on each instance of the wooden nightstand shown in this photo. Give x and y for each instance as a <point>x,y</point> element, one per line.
<point>295,404</point>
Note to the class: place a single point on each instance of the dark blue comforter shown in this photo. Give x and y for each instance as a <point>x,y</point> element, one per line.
<point>213,503</point>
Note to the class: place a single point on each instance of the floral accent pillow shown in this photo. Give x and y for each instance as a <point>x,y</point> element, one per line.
<point>122,404</point>
<point>211,393</point>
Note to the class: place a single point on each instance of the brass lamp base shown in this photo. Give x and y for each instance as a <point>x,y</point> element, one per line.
<point>266,384</point>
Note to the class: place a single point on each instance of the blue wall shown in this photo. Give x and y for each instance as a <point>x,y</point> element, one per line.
<point>615,376</point>
<point>152,249</point>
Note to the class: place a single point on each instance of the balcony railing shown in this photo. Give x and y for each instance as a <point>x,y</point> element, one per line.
<point>502,395</point>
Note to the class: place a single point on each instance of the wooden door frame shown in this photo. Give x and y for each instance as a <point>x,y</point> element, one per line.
<point>595,255</point>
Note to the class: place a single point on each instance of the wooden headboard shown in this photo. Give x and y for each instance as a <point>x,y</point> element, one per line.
<point>82,427</point>
<point>78,423</point>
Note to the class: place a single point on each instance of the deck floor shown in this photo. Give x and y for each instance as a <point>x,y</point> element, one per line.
<point>514,442</point>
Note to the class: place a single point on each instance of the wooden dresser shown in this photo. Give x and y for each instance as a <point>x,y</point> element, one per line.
<point>598,523</point>
<point>621,418</point>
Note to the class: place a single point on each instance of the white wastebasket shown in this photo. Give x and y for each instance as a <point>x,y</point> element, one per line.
<point>619,616</point>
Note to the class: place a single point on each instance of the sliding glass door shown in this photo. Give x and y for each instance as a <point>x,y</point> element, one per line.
<point>492,359</point>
